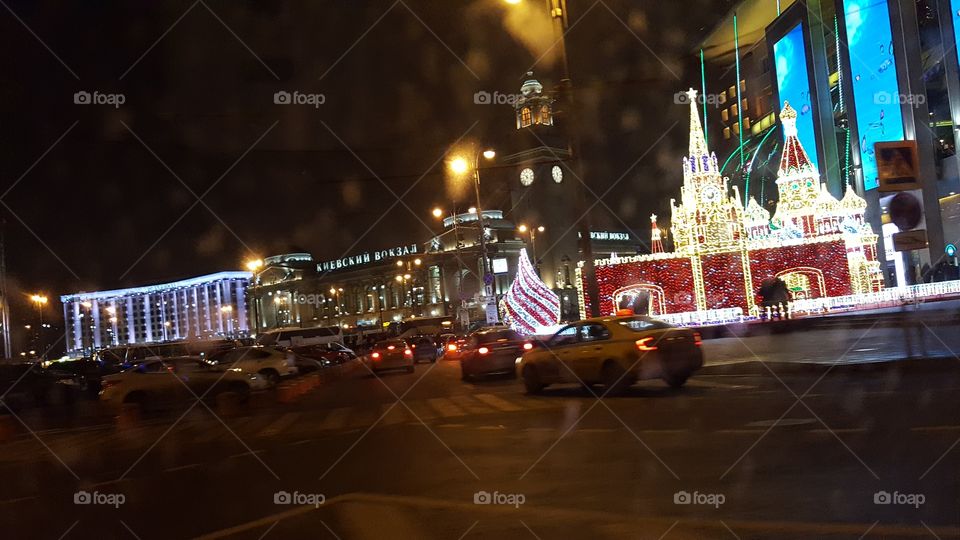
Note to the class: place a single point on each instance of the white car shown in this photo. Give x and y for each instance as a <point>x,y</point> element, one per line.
<point>269,362</point>
<point>156,382</point>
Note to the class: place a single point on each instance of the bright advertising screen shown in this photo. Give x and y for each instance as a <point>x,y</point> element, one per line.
<point>793,85</point>
<point>955,9</point>
<point>876,92</point>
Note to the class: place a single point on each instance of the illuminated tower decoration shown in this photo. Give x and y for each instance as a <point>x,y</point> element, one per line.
<point>705,219</point>
<point>531,306</point>
<point>798,183</point>
<point>756,220</point>
<point>656,237</point>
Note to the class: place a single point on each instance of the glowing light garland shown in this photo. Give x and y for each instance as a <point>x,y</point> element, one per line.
<point>530,305</point>
<point>819,246</point>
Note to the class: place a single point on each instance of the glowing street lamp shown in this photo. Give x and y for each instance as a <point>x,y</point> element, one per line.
<point>532,231</point>
<point>40,301</point>
<point>254,265</point>
<point>437,213</point>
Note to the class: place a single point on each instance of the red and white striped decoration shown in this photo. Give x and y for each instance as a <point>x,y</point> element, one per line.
<point>530,304</point>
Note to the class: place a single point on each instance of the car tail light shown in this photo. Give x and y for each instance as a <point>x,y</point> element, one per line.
<point>375,356</point>
<point>452,347</point>
<point>527,346</point>
<point>483,350</point>
<point>408,352</point>
<point>644,344</point>
<point>697,340</point>
<point>414,346</point>
<point>390,347</point>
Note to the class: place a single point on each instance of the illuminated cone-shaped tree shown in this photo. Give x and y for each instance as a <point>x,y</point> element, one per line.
<point>531,305</point>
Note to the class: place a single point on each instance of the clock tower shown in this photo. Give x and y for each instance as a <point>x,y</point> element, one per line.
<point>541,184</point>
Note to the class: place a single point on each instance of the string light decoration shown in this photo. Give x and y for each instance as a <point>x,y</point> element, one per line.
<point>530,305</point>
<point>820,246</point>
<point>656,237</point>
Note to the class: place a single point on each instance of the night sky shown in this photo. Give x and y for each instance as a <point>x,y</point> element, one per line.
<point>98,197</point>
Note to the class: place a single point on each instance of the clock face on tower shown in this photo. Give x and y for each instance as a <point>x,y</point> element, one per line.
<point>557,174</point>
<point>526,177</point>
<point>711,194</point>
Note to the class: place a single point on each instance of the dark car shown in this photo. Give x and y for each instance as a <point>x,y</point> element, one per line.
<point>391,354</point>
<point>81,377</point>
<point>25,385</point>
<point>424,349</point>
<point>313,357</point>
<point>489,351</point>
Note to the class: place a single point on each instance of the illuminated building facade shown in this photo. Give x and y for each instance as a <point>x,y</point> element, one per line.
<point>205,307</point>
<point>722,251</point>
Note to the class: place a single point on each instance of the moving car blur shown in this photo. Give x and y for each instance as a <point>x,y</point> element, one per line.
<point>613,351</point>
<point>490,351</point>
<point>390,354</point>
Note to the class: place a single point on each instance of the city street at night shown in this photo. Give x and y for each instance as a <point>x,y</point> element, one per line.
<point>770,444</point>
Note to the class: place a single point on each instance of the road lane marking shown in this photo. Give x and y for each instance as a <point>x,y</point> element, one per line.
<point>470,405</point>
<point>935,428</point>
<point>498,402</point>
<point>279,425</point>
<point>396,415</point>
<point>336,419</point>
<point>445,407</point>
<point>182,467</point>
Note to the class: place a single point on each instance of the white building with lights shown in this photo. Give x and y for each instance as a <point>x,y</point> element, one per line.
<point>204,307</point>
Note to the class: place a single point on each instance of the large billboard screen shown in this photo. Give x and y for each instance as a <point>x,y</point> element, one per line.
<point>955,10</point>
<point>876,91</point>
<point>793,85</point>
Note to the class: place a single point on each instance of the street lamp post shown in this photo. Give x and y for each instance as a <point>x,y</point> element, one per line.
<point>40,301</point>
<point>459,165</point>
<point>533,242</point>
<point>558,14</point>
<point>255,266</point>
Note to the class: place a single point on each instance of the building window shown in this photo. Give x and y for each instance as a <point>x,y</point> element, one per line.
<point>525,117</point>
<point>545,118</point>
<point>725,115</point>
<point>726,133</point>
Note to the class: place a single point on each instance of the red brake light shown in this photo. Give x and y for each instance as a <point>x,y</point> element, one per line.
<point>413,346</point>
<point>527,346</point>
<point>483,350</point>
<point>697,340</point>
<point>644,344</point>
<point>408,352</point>
<point>452,347</point>
<point>375,355</point>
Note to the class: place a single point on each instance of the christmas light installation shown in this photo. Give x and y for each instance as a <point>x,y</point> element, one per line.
<point>820,246</point>
<point>531,307</point>
<point>656,237</point>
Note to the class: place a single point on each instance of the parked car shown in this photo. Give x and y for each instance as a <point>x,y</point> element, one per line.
<point>162,382</point>
<point>615,352</point>
<point>424,349</point>
<point>270,363</point>
<point>313,357</point>
<point>390,354</point>
<point>489,351</point>
<point>126,356</point>
<point>82,377</point>
<point>25,385</point>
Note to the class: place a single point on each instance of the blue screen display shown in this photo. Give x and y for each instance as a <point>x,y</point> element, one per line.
<point>955,9</point>
<point>793,85</point>
<point>876,92</point>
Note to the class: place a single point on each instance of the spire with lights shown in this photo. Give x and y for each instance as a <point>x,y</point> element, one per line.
<point>794,162</point>
<point>699,161</point>
<point>656,237</point>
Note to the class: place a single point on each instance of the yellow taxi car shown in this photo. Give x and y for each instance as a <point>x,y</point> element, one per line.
<point>615,351</point>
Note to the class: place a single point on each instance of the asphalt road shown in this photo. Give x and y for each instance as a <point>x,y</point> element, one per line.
<point>759,449</point>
